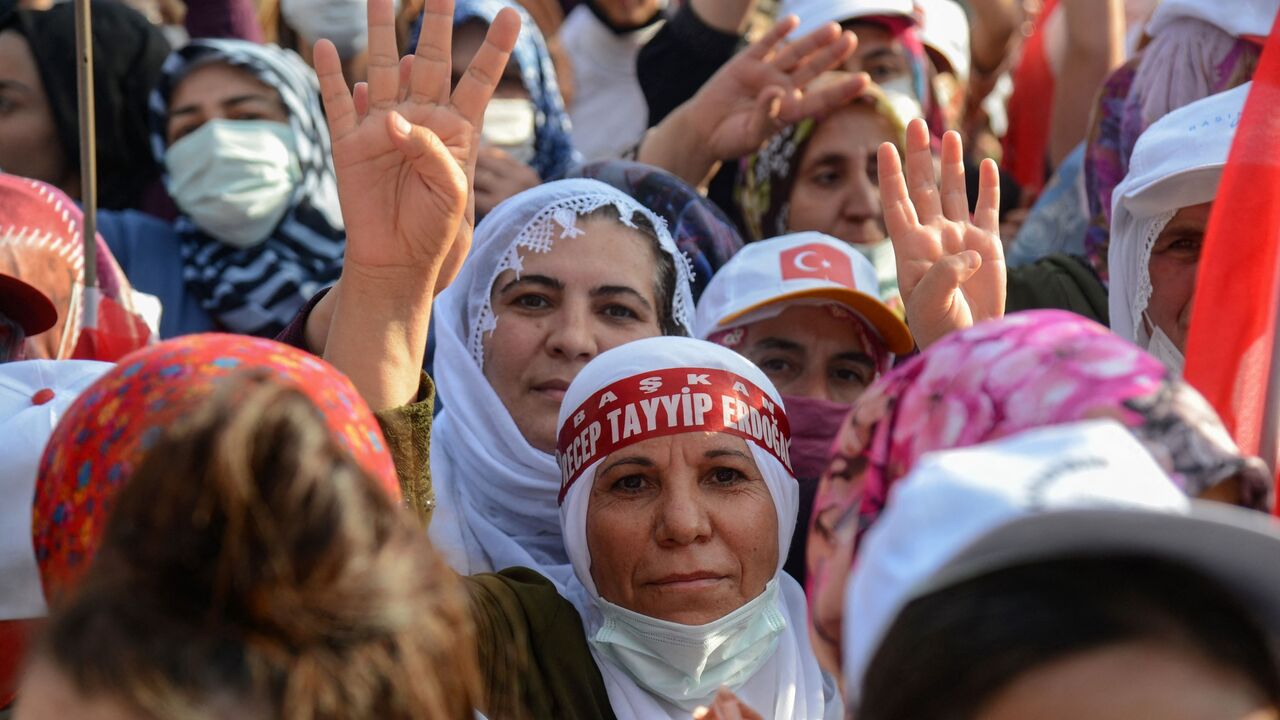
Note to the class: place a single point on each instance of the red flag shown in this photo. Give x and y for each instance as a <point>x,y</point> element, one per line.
<point>1232,337</point>
<point>817,261</point>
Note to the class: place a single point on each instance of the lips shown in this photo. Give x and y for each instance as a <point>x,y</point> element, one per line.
<point>687,581</point>
<point>553,389</point>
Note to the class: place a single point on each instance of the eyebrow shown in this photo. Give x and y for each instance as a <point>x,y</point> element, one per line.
<point>858,357</point>
<point>640,460</point>
<point>711,454</point>
<point>538,280</point>
<point>773,343</point>
<point>229,102</point>
<point>613,290</point>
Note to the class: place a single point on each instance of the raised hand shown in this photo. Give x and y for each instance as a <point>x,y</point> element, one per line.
<point>761,90</point>
<point>951,269</point>
<point>767,87</point>
<point>404,146</point>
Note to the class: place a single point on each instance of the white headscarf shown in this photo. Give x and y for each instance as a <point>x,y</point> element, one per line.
<point>495,491</point>
<point>789,684</point>
<point>1176,163</point>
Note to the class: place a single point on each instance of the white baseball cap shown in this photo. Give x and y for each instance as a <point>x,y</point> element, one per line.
<point>816,13</point>
<point>1084,489</point>
<point>799,266</point>
<point>34,394</point>
<point>944,28</point>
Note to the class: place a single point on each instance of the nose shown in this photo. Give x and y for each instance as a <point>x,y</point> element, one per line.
<point>572,334</point>
<point>682,516</point>
<point>861,201</point>
<point>811,385</point>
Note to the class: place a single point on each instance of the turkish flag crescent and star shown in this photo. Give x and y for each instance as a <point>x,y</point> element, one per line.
<point>816,262</point>
<point>1232,335</point>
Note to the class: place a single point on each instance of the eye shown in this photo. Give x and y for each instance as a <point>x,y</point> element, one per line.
<point>531,301</point>
<point>826,178</point>
<point>882,72</point>
<point>856,375</point>
<point>620,312</point>
<point>183,130</point>
<point>727,476</point>
<point>630,485</point>
<point>7,105</point>
<point>777,366</point>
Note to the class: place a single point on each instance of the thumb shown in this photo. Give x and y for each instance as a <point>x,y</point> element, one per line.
<point>430,159</point>
<point>765,117</point>
<point>936,308</point>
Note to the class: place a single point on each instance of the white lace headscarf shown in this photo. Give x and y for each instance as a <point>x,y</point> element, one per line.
<point>496,493</point>
<point>788,685</point>
<point>1176,163</point>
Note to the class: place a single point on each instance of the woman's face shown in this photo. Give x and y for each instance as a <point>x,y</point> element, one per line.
<point>811,351</point>
<point>468,38</point>
<point>836,189</point>
<point>682,528</point>
<point>1175,258</point>
<point>879,54</point>
<point>588,294</point>
<point>29,144</point>
<point>220,91</point>
<point>1131,680</point>
<point>629,13</point>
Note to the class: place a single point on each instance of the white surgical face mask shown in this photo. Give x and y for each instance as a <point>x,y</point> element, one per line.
<point>687,664</point>
<point>886,264</point>
<point>1162,348</point>
<point>509,124</point>
<point>344,22</point>
<point>901,94</point>
<point>234,178</point>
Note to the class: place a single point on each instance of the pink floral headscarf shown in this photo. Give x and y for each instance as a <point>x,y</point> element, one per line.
<point>1024,371</point>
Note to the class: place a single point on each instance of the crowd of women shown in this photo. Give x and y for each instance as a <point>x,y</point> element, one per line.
<point>624,359</point>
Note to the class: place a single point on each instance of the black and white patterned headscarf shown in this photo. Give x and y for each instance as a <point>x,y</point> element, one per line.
<point>257,290</point>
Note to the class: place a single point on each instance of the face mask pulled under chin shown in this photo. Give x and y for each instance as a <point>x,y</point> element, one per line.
<point>686,664</point>
<point>510,124</point>
<point>1162,348</point>
<point>234,178</point>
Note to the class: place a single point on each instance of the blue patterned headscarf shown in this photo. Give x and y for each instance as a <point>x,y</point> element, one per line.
<point>553,151</point>
<point>258,290</point>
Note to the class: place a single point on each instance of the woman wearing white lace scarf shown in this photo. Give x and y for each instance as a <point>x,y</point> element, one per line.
<point>1161,209</point>
<point>678,506</point>
<point>557,275</point>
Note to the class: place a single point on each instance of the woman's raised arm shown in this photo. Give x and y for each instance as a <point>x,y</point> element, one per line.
<point>404,149</point>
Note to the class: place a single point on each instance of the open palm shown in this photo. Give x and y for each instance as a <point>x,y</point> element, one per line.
<point>767,87</point>
<point>404,146</point>
<point>951,268</point>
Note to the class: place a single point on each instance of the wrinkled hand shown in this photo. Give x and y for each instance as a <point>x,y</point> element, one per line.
<point>499,176</point>
<point>951,268</point>
<point>726,706</point>
<point>767,87</point>
<point>404,147</point>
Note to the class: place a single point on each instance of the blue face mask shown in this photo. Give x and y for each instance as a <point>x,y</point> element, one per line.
<point>235,178</point>
<point>687,664</point>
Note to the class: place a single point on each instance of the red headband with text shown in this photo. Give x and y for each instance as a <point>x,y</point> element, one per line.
<point>669,402</point>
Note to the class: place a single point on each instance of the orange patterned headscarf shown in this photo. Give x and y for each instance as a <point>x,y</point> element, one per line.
<point>105,435</point>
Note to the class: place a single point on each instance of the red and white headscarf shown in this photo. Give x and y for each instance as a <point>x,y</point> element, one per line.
<point>668,386</point>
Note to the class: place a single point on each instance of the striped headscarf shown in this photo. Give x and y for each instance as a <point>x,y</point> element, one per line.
<point>257,290</point>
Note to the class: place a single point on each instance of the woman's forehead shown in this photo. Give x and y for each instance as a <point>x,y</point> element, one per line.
<point>683,447</point>
<point>606,253</point>
<point>216,81</point>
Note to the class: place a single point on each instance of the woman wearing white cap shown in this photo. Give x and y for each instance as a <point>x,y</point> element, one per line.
<point>1159,215</point>
<point>805,308</point>
<point>1060,574</point>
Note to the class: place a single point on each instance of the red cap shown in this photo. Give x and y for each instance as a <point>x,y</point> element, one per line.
<point>26,306</point>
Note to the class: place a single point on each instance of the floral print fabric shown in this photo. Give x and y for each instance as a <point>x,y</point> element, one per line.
<point>106,433</point>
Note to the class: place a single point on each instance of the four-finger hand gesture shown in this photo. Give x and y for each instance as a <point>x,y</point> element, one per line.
<point>767,87</point>
<point>951,268</point>
<point>404,146</point>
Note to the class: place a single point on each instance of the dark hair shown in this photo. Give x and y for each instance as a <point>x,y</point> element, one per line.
<point>665,282</point>
<point>12,339</point>
<point>950,652</point>
<point>250,562</point>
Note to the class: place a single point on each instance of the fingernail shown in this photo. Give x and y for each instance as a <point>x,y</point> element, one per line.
<point>402,125</point>
<point>700,712</point>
